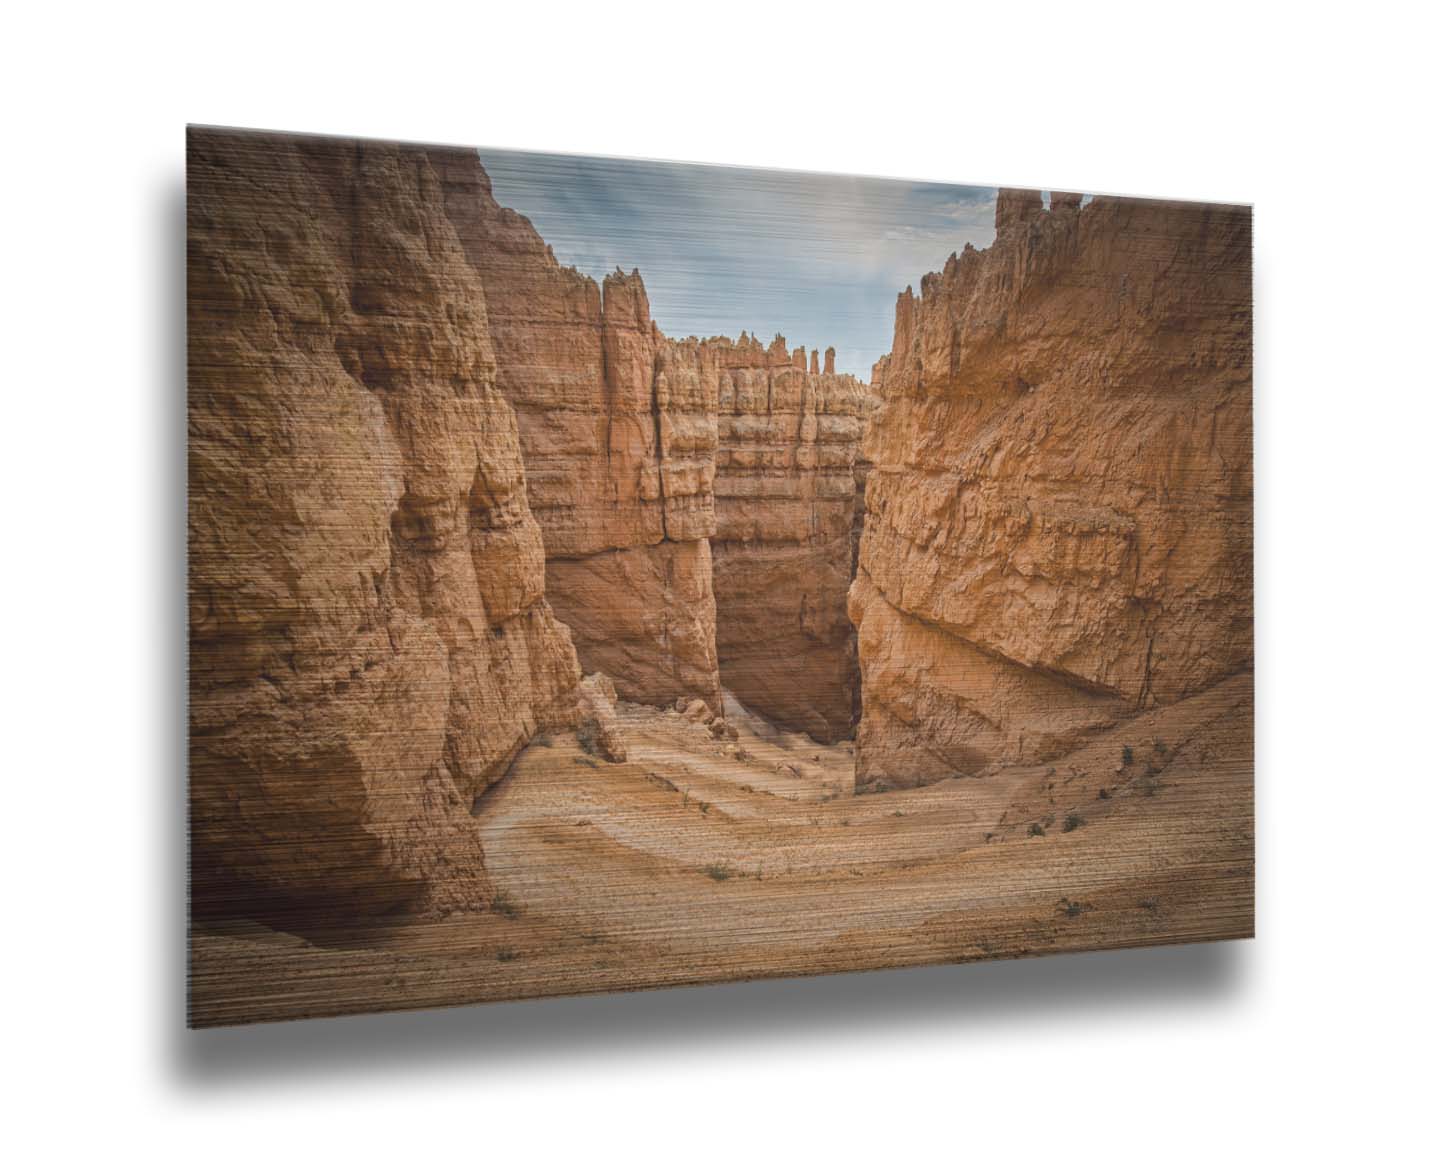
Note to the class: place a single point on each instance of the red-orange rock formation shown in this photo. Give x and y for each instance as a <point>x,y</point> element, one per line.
<point>1058,526</point>
<point>619,450</point>
<point>783,548</point>
<point>369,638</point>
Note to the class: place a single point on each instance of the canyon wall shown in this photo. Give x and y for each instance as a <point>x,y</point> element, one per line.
<point>370,642</point>
<point>783,548</point>
<point>618,444</point>
<point>1058,528</point>
<point>627,436</point>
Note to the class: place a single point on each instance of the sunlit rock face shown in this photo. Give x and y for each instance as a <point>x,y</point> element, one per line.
<point>1058,521</point>
<point>370,642</point>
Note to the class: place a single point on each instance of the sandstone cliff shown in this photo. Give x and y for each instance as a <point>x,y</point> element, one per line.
<point>619,444</point>
<point>369,639</point>
<point>1058,528</point>
<point>783,548</point>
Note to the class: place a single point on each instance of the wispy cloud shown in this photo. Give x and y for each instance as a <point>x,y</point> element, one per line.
<point>819,258</point>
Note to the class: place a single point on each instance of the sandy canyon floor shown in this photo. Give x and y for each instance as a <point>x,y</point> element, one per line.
<point>703,859</point>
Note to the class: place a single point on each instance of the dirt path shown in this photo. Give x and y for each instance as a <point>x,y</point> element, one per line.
<point>701,859</point>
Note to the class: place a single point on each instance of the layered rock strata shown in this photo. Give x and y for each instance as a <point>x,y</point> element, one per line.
<point>619,444</point>
<point>1058,529</point>
<point>370,642</point>
<point>783,547</point>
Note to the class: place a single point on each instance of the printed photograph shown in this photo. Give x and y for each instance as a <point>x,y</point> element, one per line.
<point>607,574</point>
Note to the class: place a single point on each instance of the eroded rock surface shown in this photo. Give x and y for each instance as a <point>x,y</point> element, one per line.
<point>1058,528</point>
<point>370,643</point>
<point>783,547</point>
<point>619,445</point>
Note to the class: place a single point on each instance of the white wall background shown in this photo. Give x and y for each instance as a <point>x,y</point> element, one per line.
<point>1321,1030</point>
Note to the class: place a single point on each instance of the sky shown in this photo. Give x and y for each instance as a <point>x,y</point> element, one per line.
<point>818,258</point>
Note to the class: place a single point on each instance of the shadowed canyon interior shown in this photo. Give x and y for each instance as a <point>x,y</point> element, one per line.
<point>507,609</point>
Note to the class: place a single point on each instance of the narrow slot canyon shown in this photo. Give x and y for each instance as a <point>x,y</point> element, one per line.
<point>579,657</point>
<point>696,496</point>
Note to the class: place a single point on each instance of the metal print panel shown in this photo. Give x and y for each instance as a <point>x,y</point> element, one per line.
<point>556,626</point>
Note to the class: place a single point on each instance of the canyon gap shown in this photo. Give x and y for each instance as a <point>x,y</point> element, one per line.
<point>695,496</point>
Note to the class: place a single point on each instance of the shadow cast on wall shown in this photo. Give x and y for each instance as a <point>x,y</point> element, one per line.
<point>839,1008</point>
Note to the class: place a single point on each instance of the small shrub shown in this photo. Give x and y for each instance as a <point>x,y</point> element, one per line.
<point>704,807</point>
<point>544,740</point>
<point>1104,794</point>
<point>717,872</point>
<point>1161,748</point>
<point>1127,756</point>
<point>504,905</point>
<point>1036,829</point>
<point>588,737</point>
<point>505,955</point>
<point>1069,907</point>
<point>1072,822</point>
<point>586,762</point>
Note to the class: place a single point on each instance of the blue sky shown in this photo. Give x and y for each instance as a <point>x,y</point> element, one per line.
<point>819,258</point>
